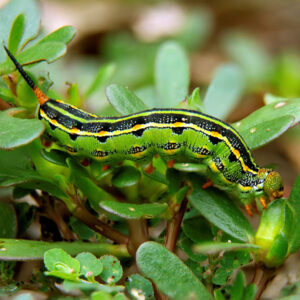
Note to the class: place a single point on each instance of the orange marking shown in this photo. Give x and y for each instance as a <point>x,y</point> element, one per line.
<point>248,210</point>
<point>236,153</point>
<point>149,169</point>
<point>42,98</point>
<point>74,130</point>
<point>105,167</point>
<point>171,163</point>
<point>207,184</point>
<point>178,124</point>
<point>137,127</point>
<point>263,202</point>
<point>216,134</point>
<point>102,132</point>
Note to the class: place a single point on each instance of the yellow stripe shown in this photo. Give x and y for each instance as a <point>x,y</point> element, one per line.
<point>156,125</point>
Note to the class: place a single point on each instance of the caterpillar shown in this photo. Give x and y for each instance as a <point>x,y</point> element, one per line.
<point>175,134</point>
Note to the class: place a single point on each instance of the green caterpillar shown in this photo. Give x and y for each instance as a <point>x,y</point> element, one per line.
<point>184,135</point>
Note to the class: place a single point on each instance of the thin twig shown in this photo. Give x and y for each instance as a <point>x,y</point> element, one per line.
<point>173,226</point>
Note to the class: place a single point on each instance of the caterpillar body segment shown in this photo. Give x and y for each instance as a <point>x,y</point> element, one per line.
<point>174,134</point>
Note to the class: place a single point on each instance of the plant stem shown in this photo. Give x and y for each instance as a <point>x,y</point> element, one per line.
<point>138,234</point>
<point>86,217</point>
<point>174,225</point>
<point>261,278</point>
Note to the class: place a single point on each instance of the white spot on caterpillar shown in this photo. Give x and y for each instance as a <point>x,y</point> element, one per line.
<point>184,119</point>
<point>252,130</point>
<point>131,208</point>
<point>280,104</point>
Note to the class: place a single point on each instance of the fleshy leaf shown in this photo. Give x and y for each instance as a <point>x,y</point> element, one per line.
<point>224,91</point>
<point>11,249</point>
<point>59,260</point>
<point>171,74</point>
<point>135,211</point>
<point>126,176</point>
<point>138,287</point>
<point>215,247</point>
<point>8,221</point>
<point>90,266</point>
<point>15,132</point>
<point>8,14</point>
<point>220,211</point>
<point>269,122</point>
<point>169,273</point>
<point>16,33</point>
<point>294,201</point>
<point>112,269</point>
<point>123,100</point>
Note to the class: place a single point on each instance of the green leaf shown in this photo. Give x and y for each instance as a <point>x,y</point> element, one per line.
<point>250,292</point>
<point>294,200</point>
<point>16,33</point>
<point>48,51</point>
<point>101,295</point>
<point>215,247</point>
<point>84,232</point>
<point>11,249</point>
<point>81,179</point>
<point>190,167</point>
<point>135,211</point>
<point>104,73</point>
<point>112,269</point>
<point>191,229</point>
<point>64,35</point>
<point>187,246</point>
<point>73,95</point>
<point>269,122</point>
<point>171,74</point>
<point>224,91</point>
<point>59,260</point>
<point>8,221</point>
<point>220,211</point>
<point>15,132</point>
<point>8,14</point>
<point>90,266</point>
<point>194,101</point>
<point>126,176</point>
<point>90,286</point>
<point>278,251</point>
<point>7,95</point>
<point>123,100</point>
<point>55,156</point>
<point>238,287</point>
<point>139,287</point>
<point>221,276</point>
<point>171,276</point>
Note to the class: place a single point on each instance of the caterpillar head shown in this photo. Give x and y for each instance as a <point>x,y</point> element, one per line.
<point>273,185</point>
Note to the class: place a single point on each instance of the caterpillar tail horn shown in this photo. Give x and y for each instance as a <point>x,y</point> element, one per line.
<point>42,98</point>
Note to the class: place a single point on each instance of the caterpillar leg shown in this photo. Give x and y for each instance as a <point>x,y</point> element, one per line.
<point>171,163</point>
<point>263,202</point>
<point>105,167</point>
<point>207,184</point>
<point>149,169</point>
<point>85,162</point>
<point>248,210</point>
<point>255,207</point>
